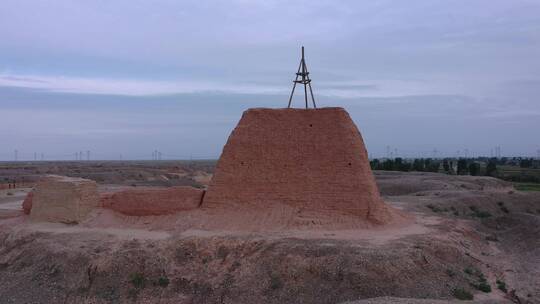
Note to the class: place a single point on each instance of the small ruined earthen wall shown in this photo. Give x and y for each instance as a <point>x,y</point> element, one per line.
<point>27,203</point>
<point>63,199</point>
<point>144,201</point>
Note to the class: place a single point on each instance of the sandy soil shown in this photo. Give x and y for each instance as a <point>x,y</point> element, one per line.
<point>449,244</point>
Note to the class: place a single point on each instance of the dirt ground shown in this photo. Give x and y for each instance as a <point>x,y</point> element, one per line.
<point>466,233</point>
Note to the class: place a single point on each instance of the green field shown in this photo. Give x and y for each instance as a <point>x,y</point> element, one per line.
<point>518,175</point>
<point>527,187</point>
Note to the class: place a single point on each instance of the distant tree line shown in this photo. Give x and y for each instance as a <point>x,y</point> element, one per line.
<point>400,164</point>
<point>462,166</point>
<point>527,163</point>
<point>515,169</point>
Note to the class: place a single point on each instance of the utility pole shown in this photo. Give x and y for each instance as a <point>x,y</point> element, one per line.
<point>304,74</point>
<point>35,156</point>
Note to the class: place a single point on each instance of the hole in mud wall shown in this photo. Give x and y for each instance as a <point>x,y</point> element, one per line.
<point>350,164</point>
<point>242,163</point>
<point>310,125</point>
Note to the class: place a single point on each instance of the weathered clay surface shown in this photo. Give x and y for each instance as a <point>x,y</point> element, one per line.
<point>63,199</point>
<point>144,201</point>
<point>303,167</point>
<point>27,203</point>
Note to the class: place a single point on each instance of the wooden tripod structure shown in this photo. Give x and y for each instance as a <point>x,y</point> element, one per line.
<point>304,79</point>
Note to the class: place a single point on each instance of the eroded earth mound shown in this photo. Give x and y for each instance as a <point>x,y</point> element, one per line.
<point>296,168</point>
<point>63,199</point>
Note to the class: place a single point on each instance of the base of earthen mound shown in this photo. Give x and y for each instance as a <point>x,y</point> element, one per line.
<point>146,201</point>
<point>295,168</point>
<point>281,218</point>
<point>63,199</point>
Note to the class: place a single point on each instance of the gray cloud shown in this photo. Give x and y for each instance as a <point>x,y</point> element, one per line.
<point>467,69</point>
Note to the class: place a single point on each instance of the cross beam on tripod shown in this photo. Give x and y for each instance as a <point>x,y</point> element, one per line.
<point>305,80</point>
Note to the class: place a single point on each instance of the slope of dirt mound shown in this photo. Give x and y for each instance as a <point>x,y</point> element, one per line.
<point>392,300</point>
<point>299,166</point>
<point>488,212</point>
<point>92,268</point>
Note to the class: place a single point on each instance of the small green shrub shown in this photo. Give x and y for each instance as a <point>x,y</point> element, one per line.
<point>483,286</point>
<point>137,279</point>
<point>468,271</point>
<point>501,285</point>
<point>434,208</point>
<point>462,294</point>
<point>163,281</point>
<point>479,213</point>
<point>483,214</point>
<point>222,252</point>
<point>275,282</point>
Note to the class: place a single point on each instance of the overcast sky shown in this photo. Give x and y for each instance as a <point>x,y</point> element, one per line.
<point>126,77</point>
